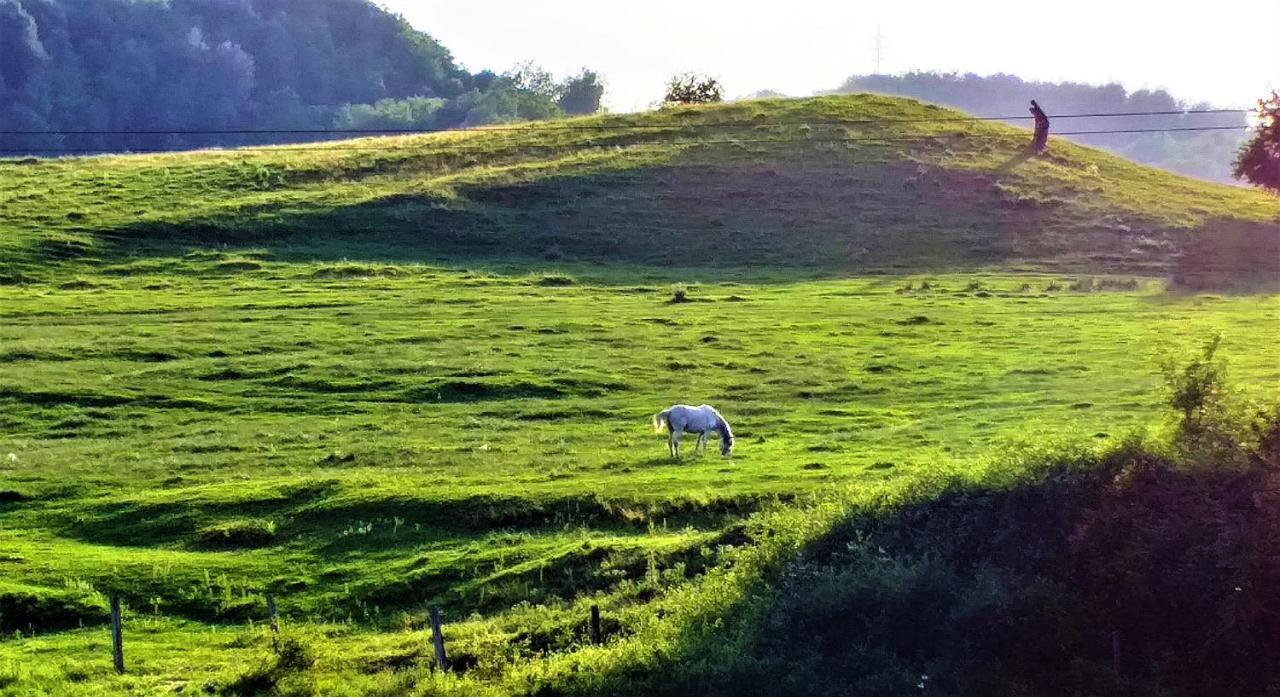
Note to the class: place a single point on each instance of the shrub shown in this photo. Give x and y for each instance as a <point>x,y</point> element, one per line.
<point>691,88</point>
<point>238,534</point>
<point>679,294</point>
<point>1212,425</point>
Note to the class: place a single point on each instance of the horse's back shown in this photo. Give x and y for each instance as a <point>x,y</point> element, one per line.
<point>695,419</point>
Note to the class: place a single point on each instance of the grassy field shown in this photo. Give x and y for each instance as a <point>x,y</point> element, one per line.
<point>841,184</point>
<point>369,381</point>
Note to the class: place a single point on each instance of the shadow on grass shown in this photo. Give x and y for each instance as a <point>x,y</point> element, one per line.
<point>1121,576</point>
<point>1229,256</point>
<point>824,218</point>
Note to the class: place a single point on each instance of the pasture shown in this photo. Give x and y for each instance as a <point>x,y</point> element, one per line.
<point>366,439</point>
<point>385,374</point>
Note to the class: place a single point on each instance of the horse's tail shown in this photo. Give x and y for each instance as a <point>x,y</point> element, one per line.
<point>662,421</point>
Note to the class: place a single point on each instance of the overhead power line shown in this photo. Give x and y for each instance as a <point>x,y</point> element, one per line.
<point>538,127</point>
<point>286,147</point>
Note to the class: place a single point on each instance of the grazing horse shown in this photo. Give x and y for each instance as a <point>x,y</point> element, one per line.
<point>700,420</point>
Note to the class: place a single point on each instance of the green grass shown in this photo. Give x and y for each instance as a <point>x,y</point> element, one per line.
<point>481,440</point>
<point>352,379</point>
<point>794,183</point>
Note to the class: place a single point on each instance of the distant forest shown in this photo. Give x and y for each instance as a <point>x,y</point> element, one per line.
<point>113,65</point>
<point>1207,155</point>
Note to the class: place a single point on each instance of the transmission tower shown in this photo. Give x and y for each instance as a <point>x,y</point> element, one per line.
<point>879,50</point>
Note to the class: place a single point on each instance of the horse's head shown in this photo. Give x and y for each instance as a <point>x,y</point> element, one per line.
<point>726,433</point>
<point>726,438</point>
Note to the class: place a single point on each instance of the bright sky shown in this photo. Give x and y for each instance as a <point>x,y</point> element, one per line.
<point>1226,53</point>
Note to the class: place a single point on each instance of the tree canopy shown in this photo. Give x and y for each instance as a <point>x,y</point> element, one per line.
<point>183,65</point>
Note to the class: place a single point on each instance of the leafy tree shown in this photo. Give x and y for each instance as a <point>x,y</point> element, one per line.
<point>1259,159</point>
<point>531,77</point>
<point>691,88</point>
<point>582,93</point>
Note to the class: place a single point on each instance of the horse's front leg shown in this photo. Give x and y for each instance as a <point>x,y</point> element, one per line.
<point>702,443</point>
<point>675,444</point>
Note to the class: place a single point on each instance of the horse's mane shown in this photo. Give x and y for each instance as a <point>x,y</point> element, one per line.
<point>723,427</point>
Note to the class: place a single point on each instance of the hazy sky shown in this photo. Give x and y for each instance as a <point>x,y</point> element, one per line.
<point>1225,52</point>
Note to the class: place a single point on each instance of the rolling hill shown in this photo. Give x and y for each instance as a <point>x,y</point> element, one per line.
<point>834,183</point>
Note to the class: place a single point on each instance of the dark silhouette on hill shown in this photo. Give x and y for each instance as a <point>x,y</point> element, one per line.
<point>1207,155</point>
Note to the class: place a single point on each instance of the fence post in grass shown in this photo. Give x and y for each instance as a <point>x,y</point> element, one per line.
<point>117,636</point>
<point>437,638</point>
<point>595,624</point>
<point>275,622</point>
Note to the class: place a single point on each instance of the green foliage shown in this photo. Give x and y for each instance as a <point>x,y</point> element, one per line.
<point>581,93</point>
<point>1213,419</point>
<point>1258,161</point>
<point>1196,388</point>
<point>691,88</point>
<point>257,64</point>
<point>392,114</point>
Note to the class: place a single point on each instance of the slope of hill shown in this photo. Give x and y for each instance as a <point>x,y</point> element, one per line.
<point>837,183</point>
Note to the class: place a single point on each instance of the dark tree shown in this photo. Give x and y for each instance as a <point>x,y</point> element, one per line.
<point>691,88</point>
<point>582,93</point>
<point>1259,159</point>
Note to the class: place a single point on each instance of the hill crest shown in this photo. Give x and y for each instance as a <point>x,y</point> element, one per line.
<point>839,182</point>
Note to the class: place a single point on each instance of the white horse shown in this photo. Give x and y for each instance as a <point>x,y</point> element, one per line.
<point>700,420</point>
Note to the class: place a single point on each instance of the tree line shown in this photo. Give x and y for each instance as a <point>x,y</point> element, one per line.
<point>129,65</point>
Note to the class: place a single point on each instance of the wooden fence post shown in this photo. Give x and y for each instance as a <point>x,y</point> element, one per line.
<point>117,635</point>
<point>595,624</point>
<point>437,638</point>
<point>275,622</point>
